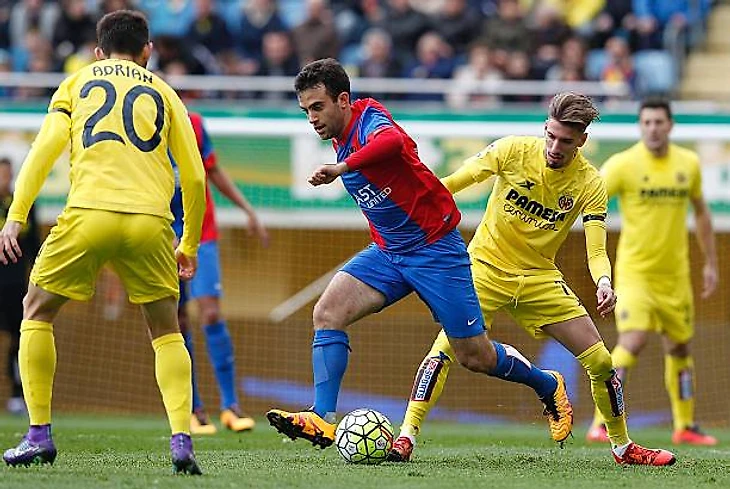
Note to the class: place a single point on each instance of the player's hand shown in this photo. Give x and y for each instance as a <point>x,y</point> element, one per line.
<point>186,265</point>
<point>10,251</point>
<point>606,299</point>
<point>256,228</point>
<point>325,174</point>
<point>710,278</point>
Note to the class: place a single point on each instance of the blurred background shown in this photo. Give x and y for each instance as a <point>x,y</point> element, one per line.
<point>457,74</point>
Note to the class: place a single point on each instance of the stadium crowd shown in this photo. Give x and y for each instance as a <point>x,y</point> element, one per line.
<point>465,40</point>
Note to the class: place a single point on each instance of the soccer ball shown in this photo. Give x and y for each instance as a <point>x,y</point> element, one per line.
<point>364,436</point>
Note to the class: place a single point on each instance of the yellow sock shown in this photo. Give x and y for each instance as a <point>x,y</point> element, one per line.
<point>37,365</point>
<point>623,361</point>
<point>607,393</point>
<point>174,378</point>
<point>679,380</point>
<point>428,385</point>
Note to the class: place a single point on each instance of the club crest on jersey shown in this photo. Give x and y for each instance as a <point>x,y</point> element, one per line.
<point>681,178</point>
<point>565,202</point>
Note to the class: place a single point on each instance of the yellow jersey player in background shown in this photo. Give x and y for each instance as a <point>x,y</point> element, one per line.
<point>542,186</point>
<point>655,182</point>
<point>121,120</point>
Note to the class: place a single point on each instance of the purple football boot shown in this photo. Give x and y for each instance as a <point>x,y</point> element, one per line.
<point>36,447</point>
<point>183,458</point>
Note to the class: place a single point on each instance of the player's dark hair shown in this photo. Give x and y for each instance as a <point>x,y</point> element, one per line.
<point>656,103</point>
<point>328,72</point>
<point>573,109</point>
<point>5,161</point>
<point>123,32</point>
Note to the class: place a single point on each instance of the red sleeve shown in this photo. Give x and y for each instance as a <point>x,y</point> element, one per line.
<point>380,146</point>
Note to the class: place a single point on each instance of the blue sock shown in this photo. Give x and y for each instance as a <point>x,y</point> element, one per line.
<point>513,367</point>
<point>197,401</point>
<point>330,351</point>
<point>220,352</point>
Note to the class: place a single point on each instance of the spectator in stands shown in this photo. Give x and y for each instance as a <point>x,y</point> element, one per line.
<point>5,7</point>
<point>169,18</point>
<point>83,56</point>
<point>169,49</point>
<point>378,60</point>
<point>507,31</point>
<point>108,6</point>
<point>458,24</point>
<point>278,58</point>
<point>548,33</point>
<point>616,18</point>
<point>578,14</point>
<point>619,67</point>
<point>519,68</point>
<point>32,15</point>
<point>209,29</point>
<point>654,16</point>
<point>6,66</point>
<point>258,18</point>
<point>467,78</point>
<point>316,37</point>
<point>405,26</point>
<point>73,28</point>
<point>572,63</point>
<point>434,59</point>
<point>40,60</point>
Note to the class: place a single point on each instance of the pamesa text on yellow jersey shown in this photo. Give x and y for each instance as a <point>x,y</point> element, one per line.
<point>532,207</point>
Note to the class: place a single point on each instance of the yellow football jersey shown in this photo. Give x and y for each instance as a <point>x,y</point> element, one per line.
<point>653,196</point>
<point>121,121</point>
<point>532,207</point>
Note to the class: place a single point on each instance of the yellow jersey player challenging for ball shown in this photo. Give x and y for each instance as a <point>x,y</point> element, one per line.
<point>121,121</point>
<point>542,186</point>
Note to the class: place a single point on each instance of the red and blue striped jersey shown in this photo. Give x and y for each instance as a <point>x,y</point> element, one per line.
<point>405,204</point>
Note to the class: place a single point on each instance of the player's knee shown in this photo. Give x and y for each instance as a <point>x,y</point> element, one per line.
<point>210,315</point>
<point>325,317</point>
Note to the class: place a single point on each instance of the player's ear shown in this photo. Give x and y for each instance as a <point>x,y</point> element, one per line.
<point>582,140</point>
<point>146,53</point>
<point>99,53</point>
<point>343,99</point>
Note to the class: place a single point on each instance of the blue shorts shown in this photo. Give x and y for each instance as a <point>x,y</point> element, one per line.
<point>439,273</point>
<point>184,295</point>
<point>207,279</point>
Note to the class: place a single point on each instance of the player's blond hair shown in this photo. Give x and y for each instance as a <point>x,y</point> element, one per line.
<point>573,109</point>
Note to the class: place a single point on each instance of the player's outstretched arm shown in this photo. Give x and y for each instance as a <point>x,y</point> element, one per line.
<point>192,176</point>
<point>477,168</point>
<point>706,240</point>
<point>223,182</point>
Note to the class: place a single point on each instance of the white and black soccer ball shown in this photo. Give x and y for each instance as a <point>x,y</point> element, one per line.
<point>364,436</point>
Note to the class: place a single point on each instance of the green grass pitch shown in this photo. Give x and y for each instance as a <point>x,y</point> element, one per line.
<point>132,452</point>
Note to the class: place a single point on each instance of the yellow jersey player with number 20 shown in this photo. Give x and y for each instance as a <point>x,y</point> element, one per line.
<point>121,121</point>
<point>542,186</point>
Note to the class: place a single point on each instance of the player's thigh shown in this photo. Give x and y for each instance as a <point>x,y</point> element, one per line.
<point>367,283</point>
<point>675,310</point>
<point>74,251</point>
<point>635,305</point>
<point>495,289</point>
<point>207,279</point>
<point>441,276</point>
<point>145,261</point>
<point>545,299</point>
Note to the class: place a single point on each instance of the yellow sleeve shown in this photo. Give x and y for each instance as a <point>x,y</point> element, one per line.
<point>611,173</point>
<point>695,190</point>
<point>594,225</point>
<point>479,167</point>
<point>192,175</point>
<point>54,135</point>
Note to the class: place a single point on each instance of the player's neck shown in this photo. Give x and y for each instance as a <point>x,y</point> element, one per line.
<point>346,125</point>
<point>126,57</point>
<point>660,152</point>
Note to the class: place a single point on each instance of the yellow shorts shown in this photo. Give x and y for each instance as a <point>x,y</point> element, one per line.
<point>533,301</point>
<point>137,246</point>
<point>661,306</point>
